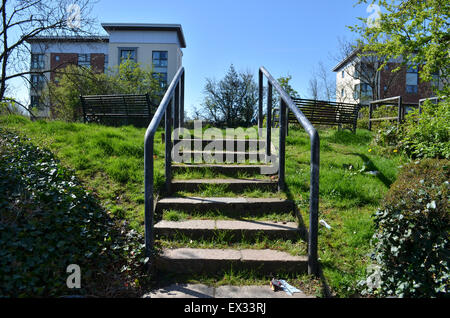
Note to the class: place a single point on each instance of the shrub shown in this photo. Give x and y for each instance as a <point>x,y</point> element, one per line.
<point>427,135</point>
<point>411,244</point>
<point>48,221</point>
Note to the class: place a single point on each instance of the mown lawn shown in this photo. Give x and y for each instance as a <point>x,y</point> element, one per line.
<point>110,163</point>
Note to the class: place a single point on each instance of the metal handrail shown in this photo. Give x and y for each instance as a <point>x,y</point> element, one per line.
<point>287,104</point>
<point>171,97</point>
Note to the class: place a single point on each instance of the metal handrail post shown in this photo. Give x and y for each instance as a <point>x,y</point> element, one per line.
<point>269,122</point>
<point>282,147</point>
<point>168,146</point>
<point>182,102</point>
<point>260,104</point>
<point>314,206</point>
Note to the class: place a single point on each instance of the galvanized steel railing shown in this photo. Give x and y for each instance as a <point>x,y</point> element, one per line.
<point>286,105</point>
<point>173,100</point>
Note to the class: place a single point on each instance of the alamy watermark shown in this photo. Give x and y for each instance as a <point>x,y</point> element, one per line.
<point>231,145</point>
<point>374,19</point>
<point>74,279</point>
<point>73,16</point>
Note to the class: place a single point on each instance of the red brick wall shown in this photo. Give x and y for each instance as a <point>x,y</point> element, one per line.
<point>398,85</point>
<point>98,62</point>
<point>65,59</point>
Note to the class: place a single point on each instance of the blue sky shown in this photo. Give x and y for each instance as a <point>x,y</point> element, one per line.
<point>286,36</point>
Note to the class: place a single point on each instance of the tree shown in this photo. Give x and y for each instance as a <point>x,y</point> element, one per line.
<point>22,20</point>
<point>321,86</point>
<point>416,31</point>
<point>366,67</point>
<point>232,101</point>
<point>313,88</point>
<point>129,77</point>
<point>284,82</point>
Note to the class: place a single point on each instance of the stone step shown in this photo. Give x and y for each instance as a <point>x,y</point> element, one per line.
<point>190,260</point>
<point>248,229</point>
<point>230,144</point>
<point>228,170</point>
<point>193,156</point>
<point>248,206</point>
<point>235,185</point>
<point>228,291</point>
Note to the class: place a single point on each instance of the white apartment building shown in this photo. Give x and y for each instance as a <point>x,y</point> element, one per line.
<point>358,80</point>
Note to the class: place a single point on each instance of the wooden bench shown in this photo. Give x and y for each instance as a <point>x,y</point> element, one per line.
<point>327,113</point>
<point>117,110</point>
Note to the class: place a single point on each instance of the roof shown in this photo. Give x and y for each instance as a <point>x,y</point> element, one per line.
<point>98,38</point>
<point>346,59</point>
<point>147,27</point>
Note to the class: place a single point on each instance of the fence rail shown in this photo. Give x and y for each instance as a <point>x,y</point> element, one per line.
<point>391,101</point>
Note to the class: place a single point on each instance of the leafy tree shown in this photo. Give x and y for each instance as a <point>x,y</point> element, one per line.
<point>284,83</point>
<point>129,77</point>
<point>416,31</point>
<point>232,101</point>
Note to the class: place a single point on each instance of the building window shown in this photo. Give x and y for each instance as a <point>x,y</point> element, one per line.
<point>366,91</point>
<point>356,72</point>
<point>106,64</point>
<point>35,102</point>
<point>435,82</point>
<point>362,91</point>
<point>160,62</point>
<point>84,60</point>
<point>160,59</point>
<point>162,79</point>
<point>37,61</point>
<point>37,81</point>
<point>57,58</point>
<point>412,79</point>
<point>343,74</point>
<point>127,54</point>
<point>342,93</point>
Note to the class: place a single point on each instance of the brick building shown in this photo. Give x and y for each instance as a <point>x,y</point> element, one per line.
<point>358,81</point>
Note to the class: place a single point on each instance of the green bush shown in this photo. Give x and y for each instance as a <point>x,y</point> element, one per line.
<point>427,135</point>
<point>48,221</point>
<point>411,242</point>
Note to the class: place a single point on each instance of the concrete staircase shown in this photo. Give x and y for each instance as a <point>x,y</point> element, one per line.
<point>238,217</point>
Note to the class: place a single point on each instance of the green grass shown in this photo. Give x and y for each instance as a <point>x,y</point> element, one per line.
<point>348,198</point>
<point>110,162</point>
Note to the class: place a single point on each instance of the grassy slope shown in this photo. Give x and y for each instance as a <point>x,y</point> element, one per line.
<point>110,161</point>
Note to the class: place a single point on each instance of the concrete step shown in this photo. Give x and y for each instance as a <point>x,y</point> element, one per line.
<point>230,144</point>
<point>229,291</point>
<point>228,170</point>
<point>212,156</point>
<point>235,185</point>
<point>237,230</point>
<point>190,260</point>
<point>248,206</point>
